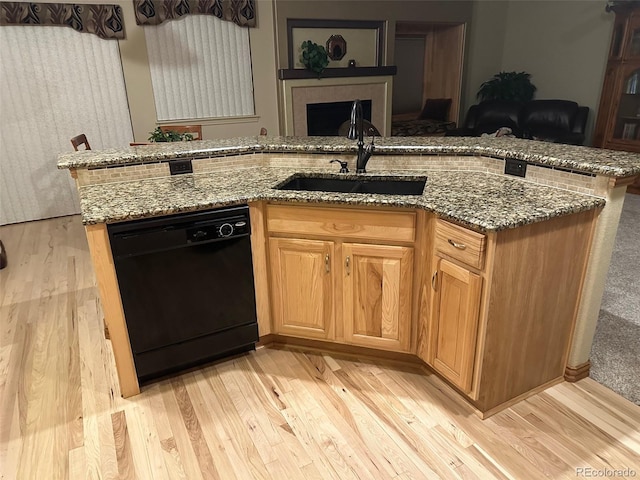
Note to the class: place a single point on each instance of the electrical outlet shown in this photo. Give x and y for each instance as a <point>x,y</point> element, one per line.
<point>515,167</point>
<point>176,167</point>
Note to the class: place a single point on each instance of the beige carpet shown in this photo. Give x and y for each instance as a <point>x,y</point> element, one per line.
<point>615,354</point>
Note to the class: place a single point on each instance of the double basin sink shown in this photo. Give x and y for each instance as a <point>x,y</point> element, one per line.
<point>366,185</point>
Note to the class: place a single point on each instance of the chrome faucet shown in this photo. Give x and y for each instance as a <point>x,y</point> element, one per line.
<point>356,130</point>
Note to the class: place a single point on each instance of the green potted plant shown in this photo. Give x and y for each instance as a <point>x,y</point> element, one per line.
<point>314,57</point>
<point>514,86</point>
<point>159,135</point>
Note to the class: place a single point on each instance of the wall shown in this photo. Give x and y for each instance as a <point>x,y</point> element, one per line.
<point>484,44</point>
<point>135,65</point>
<point>391,11</point>
<point>562,44</point>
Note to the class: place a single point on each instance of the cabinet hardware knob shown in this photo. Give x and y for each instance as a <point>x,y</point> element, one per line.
<point>461,246</point>
<point>434,280</point>
<point>327,264</point>
<point>347,264</point>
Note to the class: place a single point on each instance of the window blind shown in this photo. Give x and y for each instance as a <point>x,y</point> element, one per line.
<point>200,68</point>
<point>55,83</point>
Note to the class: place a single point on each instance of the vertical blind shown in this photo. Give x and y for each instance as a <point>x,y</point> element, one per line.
<point>200,68</point>
<point>55,83</point>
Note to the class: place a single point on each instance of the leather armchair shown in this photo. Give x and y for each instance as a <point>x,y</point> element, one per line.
<point>560,121</point>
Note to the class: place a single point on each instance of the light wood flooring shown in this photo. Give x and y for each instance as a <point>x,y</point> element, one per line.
<point>275,413</point>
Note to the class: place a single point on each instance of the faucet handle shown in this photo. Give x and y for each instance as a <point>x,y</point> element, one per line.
<point>343,165</point>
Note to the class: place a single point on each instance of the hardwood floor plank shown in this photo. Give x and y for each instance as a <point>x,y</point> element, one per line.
<point>97,425</point>
<point>369,427</point>
<point>572,425</point>
<point>443,462</point>
<point>126,467</point>
<point>213,433</point>
<point>11,445</point>
<point>512,429</point>
<point>600,418</point>
<point>605,397</point>
<point>73,403</point>
<point>191,421</point>
<point>77,464</point>
<point>273,413</point>
<point>572,450</point>
<point>437,395</point>
<point>338,412</point>
<point>181,437</point>
<point>242,404</point>
<point>237,430</point>
<point>162,432</point>
<point>145,446</point>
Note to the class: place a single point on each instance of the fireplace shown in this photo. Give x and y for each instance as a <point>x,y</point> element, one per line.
<point>297,94</point>
<point>325,118</point>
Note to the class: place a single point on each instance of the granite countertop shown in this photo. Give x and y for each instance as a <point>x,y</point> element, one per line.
<point>585,159</point>
<point>482,201</point>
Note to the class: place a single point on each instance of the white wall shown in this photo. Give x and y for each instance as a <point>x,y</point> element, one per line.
<point>564,45</point>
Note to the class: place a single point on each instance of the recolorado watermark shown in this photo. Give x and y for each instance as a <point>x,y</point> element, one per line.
<point>588,472</point>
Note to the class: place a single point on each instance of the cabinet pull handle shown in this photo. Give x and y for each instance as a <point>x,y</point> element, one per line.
<point>347,264</point>
<point>434,280</point>
<point>327,264</point>
<point>461,246</point>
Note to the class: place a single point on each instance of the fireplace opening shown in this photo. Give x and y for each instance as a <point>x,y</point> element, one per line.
<point>324,119</point>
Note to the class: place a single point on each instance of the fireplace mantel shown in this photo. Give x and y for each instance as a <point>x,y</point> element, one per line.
<point>300,73</point>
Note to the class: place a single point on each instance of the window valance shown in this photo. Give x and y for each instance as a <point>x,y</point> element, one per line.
<point>154,12</point>
<point>104,21</point>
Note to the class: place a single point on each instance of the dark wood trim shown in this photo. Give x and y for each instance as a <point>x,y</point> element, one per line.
<point>301,73</point>
<point>377,25</point>
<point>573,374</point>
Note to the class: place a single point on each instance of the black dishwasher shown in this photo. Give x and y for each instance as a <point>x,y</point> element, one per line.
<point>186,283</point>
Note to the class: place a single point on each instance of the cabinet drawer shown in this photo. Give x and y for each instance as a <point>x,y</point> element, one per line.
<point>343,222</point>
<point>460,243</point>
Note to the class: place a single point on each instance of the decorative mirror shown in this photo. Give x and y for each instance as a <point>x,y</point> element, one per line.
<point>336,47</point>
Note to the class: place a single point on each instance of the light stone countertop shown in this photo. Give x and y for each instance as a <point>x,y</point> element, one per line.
<point>584,159</point>
<point>482,201</point>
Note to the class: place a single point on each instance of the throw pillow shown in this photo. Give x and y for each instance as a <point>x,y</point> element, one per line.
<point>436,109</point>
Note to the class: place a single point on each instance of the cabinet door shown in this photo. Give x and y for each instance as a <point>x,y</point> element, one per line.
<point>302,287</point>
<point>456,304</point>
<point>376,299</point>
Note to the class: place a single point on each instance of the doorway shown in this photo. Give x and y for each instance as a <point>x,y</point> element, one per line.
<point>429,57</point>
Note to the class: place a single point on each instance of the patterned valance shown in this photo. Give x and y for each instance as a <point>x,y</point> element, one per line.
<point>102,20</point>
<point>154,12</point>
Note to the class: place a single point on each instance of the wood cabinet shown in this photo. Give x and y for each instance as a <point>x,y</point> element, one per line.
<point>331,277</point>
<point>377,295</point>
<point>618,122</point>
<point>494,312</point>
<point>501,306</point>
<point>303,287</point>
<point>455,314</point>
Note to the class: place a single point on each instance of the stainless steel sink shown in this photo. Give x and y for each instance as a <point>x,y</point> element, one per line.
<point>385,186</point>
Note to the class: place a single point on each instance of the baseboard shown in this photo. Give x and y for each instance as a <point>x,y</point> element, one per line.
<point>509,403</point>
<point>352,352</point>
<point>573,374</point>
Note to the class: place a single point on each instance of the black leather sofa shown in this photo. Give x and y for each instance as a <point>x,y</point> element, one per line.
<point>560,121</point>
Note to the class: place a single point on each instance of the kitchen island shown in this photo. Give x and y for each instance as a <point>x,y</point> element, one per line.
<point>538,248</point>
